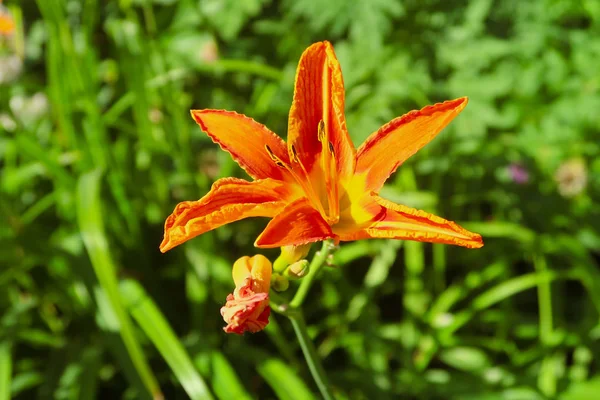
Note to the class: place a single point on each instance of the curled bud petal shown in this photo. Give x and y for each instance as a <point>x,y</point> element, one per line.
<point>295,253</point>
<point>247,308</point>
<point>298,269</point>
<point>291,254</point>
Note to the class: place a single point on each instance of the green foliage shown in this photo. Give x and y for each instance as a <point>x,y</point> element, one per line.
<point>97,147</point>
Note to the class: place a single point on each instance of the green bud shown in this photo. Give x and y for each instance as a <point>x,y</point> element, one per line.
<point>298,269</point>
<point>289,255</point>
<point>279,283</point>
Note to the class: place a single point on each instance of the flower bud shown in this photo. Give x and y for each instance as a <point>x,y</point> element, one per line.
<point>291,254</point>
<point>247,308</point>
<point>280,283</point>
<point>298,269</point>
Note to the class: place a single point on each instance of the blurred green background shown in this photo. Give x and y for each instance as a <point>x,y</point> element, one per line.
<point>97,147</point>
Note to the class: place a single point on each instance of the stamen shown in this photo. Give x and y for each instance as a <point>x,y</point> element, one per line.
<point>332,193</point>
<point>303,181</point>
<point>275,159</point>
<point>295,154</point>
<point>306,182</point>
<point>321,131</point>
<point>329,166</point>
<point>271,154</point>
<point>297,160</point>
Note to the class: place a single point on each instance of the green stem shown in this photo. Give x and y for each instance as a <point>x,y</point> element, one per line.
<point>315,266</point>
<point>545,301</point>
<point>547,379</point>
<point>312,359</point>
<point>294,313</point>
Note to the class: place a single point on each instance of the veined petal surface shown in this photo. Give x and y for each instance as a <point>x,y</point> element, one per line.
<point>245,139</point>
<point>298,223</point>
<point>319,96</point>
<point>229,200</point>
<point>396,221</point>
<point>395,142</point>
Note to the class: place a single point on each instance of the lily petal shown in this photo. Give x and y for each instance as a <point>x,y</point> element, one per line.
<point>229,200</point>
<point>396,221</point>
<point>299,223</point>
<point>380,155</point>
<point>319,95</point>
<point>245,139</point>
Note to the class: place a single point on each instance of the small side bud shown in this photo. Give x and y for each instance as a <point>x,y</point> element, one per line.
<point>295,253</point>
<point>299,269</point>
<point>289,255</point>
<point>279,283</point>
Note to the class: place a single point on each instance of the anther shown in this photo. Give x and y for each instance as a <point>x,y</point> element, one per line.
<point>295,154</point>
<point>321,131</point>
<point>275,159</point>
<point>331,150</point>
<point>269,151</point>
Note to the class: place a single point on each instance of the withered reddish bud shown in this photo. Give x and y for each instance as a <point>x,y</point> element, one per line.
<point>247,308</point>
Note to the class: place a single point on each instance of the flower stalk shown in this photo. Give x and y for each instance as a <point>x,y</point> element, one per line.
<point>293,312</point>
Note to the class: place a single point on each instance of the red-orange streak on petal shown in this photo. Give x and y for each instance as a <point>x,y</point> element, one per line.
<point>401,222</point>
<point>299,223</point>
<point>245,140</point>
<point>229,200</point>
<point>319,95</point>
<point>380,155</point>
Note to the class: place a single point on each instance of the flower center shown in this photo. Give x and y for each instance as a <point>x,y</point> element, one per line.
<point>310,185</point>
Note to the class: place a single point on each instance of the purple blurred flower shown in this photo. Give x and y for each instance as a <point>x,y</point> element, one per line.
<point>518,173</point>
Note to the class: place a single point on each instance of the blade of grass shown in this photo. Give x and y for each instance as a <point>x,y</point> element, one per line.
<point>89,215</point>
<point>5,370</point>
<point>226,383</point>
<point>277,336</point>
<point>501,292</point>
<point>88,381</point>
<point>157,328</point>
<point>24,381</point>
<point>284,382</point>
<point>33,149</point>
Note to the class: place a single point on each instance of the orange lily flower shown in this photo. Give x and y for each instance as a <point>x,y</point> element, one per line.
<point>247,308</point>
<point>319,186</point>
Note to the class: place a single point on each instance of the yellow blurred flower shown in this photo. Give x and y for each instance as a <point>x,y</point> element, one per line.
<point>7,24</point>
<point>571,177</point>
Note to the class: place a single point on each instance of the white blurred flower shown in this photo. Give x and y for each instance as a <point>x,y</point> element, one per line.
<point>155,115</point>
<point>571,177</point>
<point>7,123</point>
<point>38,104</point>
<point>29,109</point>
<point>17,104</point>
<point>10,68</point>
